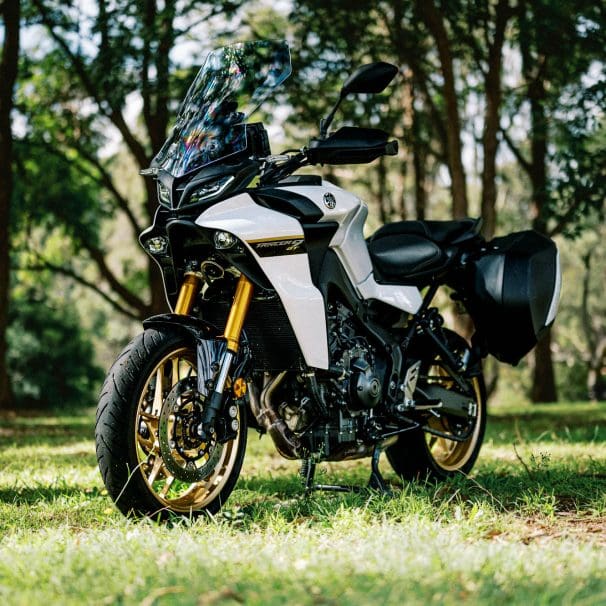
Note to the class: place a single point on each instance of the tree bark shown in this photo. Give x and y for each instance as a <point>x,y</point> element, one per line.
<point>434,22</point>
<point>596,381</point>
<point>383,200</point>
<point>594,337</point>
<point>534,67</point>
<point>543,378</point>
<point>158,38</point>
<point>418,160</point>
<point>10,12</point>
<point>490,142</point>
<point>543,381</point>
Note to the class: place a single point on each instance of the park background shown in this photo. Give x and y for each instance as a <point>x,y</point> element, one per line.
<point>500,112</point>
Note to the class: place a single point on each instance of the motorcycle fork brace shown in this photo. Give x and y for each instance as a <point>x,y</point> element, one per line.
<point>232,333</point>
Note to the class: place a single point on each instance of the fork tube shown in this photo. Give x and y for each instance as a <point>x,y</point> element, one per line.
<point>188,292</point>
<point>233,330</point>
<point>237,313</point>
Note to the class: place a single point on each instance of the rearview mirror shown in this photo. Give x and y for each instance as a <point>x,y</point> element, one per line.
<point>370,78</point>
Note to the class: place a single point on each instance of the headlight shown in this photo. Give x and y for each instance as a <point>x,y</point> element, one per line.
<point>163,194</point>
<point>212,188</point>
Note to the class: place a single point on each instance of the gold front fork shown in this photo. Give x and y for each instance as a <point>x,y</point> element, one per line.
<point>237,313</point>
<point>187,294</point>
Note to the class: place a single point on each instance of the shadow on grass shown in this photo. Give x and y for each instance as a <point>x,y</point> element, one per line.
<point>543,492</point>
<point>534,487</point>
<point>574,423</point>
<point>45,494</point>
<point>31,432</point>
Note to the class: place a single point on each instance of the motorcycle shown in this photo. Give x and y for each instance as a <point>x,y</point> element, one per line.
<point>287,320</point>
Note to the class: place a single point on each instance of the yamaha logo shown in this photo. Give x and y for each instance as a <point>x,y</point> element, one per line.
<point>329,201</point>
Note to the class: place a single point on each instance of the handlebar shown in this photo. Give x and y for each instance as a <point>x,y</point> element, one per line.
<point>277,172</point>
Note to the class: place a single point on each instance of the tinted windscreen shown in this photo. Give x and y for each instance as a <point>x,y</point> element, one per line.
<point>229,87</point>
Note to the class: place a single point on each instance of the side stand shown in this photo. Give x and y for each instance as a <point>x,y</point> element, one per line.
<point>375,482</point>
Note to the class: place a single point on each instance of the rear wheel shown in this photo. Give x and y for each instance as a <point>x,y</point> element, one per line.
<point>151,458</point>
<point>419,454</point>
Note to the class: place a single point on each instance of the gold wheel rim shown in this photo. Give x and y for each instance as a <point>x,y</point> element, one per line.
<point>451,455</point>
<point>171,492</point>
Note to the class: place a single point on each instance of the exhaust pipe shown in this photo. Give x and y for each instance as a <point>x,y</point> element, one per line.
<point>286,442</point>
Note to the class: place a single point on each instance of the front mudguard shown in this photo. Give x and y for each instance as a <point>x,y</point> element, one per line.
<point>199,329</point>
<point>209,346</point>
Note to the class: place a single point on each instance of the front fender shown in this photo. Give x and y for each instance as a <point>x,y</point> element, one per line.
<point>199,329</point>
<point>209,343</point>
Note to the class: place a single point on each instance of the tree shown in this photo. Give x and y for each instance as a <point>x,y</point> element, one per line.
<point>594,329</point>
<point>10,13</point>
<point>45,335</point>
<point>103,58</point>
<point>434,20</point>
<point>558,43</point>
<point>440,47</point>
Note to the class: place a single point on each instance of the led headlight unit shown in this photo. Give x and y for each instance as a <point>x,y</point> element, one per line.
<point>163,194</point>
<point>212,188</point>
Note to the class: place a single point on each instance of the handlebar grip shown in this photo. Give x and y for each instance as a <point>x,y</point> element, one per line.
<point>391,148</point>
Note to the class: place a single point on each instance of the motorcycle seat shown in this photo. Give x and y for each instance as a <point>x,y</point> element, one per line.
<point>440,232</point>
<point>410,252</point>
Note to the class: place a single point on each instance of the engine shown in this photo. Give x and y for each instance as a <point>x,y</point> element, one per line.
<point>330,415</point>
<point>359,387</point>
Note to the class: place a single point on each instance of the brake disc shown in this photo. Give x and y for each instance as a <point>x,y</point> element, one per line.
<point>186,456</point>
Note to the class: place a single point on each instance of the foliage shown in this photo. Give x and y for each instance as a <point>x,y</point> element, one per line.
<point>535,505</point>
<point>99,82</point>
<point>50,357</point>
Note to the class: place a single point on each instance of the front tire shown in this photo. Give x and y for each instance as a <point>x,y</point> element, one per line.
<point>151,460</point>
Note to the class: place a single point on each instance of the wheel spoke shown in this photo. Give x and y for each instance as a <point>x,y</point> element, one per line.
<point>146,444</point>
<point>175,371</point>
<point>153,474</point>
<point>158,393</point>
<point>169,481</point>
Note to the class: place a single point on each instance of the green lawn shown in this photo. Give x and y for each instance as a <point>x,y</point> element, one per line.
<point>529,526</point>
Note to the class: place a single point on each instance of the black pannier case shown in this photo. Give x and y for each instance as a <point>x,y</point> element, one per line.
<point>514,292</point>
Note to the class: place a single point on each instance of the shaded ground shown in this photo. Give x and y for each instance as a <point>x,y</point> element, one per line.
<point>529,525</point>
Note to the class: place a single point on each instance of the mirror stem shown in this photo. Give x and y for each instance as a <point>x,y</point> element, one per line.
<point>326,122</point>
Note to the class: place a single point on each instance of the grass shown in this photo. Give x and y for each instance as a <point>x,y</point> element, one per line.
<point>529,526</point>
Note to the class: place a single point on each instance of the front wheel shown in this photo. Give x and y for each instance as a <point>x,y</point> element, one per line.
<point>151,458</point>
<point>419,454</point>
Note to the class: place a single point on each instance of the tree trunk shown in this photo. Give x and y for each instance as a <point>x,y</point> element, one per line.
<point>594,337</point>
<point>490,141</point>
<point>596,380</point>
<point>418,162</point>
<point>435,24</point>
<point>534,68</point>
<point>8,75</point>
<point>543,378</point>
<point>543,382</point>
<point>382,198</point>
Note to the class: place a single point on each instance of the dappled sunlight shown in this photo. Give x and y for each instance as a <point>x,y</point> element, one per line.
<point>544,496</point>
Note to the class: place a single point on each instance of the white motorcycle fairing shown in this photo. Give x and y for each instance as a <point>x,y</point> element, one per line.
<point>263,230</point>
<point>349,245</point>
<point>289,274</point>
